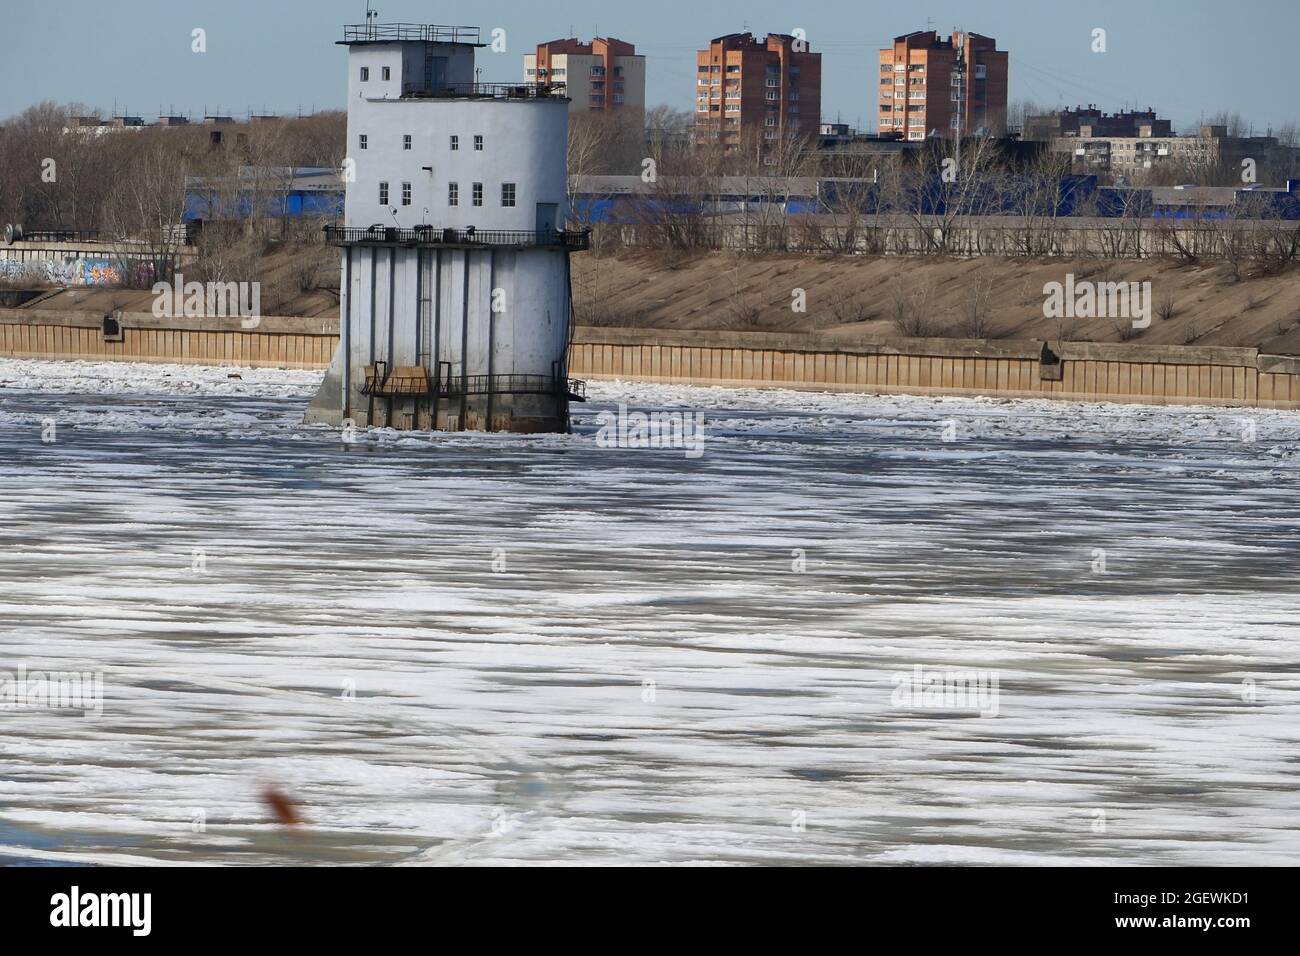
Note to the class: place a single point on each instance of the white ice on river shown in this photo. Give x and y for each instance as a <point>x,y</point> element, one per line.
<point>476,649</point>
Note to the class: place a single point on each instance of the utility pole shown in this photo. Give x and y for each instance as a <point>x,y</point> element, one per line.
<point>959,73</point>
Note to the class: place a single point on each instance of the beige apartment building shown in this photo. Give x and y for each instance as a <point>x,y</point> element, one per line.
<point>1211,151</point>
<point>605,75</point>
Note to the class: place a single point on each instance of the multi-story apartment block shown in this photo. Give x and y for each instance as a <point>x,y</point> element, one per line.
<point>1211,151</point>
<point>767,89</point>
<point>606,75</point>
<point>921,91</point>
<point>1090,121</point>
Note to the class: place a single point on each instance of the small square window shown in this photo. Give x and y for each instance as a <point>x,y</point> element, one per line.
<point>387,73</point>
<point>477,195</point>
<point>507,194</point>
<point>455,143</point>
<point>363,141</point>
<point>406,141</point>
<point>383,194</point>
<point>365,74</point>
<point>478,143</point>
<point>406,194</point>
<point>453,194</point>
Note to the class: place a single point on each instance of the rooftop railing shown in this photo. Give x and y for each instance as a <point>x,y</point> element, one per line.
<point>403,32</point>
<point>491,91</point>
<point>435,236</point>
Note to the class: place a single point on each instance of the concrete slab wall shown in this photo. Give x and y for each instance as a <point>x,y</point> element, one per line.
<point>1089,371</point>
<point>282,342</point>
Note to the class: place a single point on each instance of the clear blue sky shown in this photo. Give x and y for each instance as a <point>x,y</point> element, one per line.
<point>1186,58</point>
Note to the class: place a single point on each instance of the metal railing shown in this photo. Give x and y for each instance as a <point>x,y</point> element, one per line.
<point>436,236</point>
<point>510,384</point>
<point>487,91</point>
<point>404,32</point>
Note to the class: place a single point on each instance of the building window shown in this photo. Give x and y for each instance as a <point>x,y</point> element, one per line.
<point>455,143</point>
<point>477,194</point>
<point>365,74</point>
<point>507,194</point>
<point>363,141</point>
<point>478,144</point>
<point>453,194</point>
<point>406,141</point>
<point>383,194</point>
<point>406,194</point>
<point>387,74</point>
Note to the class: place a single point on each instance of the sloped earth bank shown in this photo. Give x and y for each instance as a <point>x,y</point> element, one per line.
<point>474,648</point>
<point>857,294</point>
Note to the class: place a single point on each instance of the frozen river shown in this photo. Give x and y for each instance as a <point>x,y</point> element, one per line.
<point>476,649</point>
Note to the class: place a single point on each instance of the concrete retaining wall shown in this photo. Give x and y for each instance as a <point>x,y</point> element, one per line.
<point>276,341</point>
<point>1190,375</point>
<point>1089,371</point>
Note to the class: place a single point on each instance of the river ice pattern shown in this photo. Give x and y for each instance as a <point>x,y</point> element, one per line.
<point>474,649</point>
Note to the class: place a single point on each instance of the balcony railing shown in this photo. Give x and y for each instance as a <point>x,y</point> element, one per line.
<point>511,384</point>
<point>415,382</point>
<point>403,32</point>
<point>434,236</point>
<point>486,91</point>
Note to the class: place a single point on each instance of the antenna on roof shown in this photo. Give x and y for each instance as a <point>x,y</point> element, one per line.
<point>371,16</point>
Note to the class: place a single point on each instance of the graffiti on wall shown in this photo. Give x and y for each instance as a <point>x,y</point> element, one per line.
<point>66,271</point>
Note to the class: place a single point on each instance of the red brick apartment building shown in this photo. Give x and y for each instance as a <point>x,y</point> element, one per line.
<point>604,75</point>
<point>766,89</point>
<point>919,91</point>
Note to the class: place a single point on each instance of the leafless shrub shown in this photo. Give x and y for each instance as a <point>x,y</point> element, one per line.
<point>1166,308</point>
<point>977,317</point>
<point>912,315</point>
<point>849,308</point>
<point>1126,331</point>
<point>745,309</point>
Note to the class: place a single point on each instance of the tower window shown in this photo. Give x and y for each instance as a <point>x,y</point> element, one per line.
<point>365,74</point>
<point>478,143</point>
<point>455,143</point>
<point>387,73</point>
<point>363,141</point>
<point>453,194</point>
<point>406,141</point>
<point>406,194</point>
<point>383,194</point>
<point>478,194</point>
<point>507,194</point>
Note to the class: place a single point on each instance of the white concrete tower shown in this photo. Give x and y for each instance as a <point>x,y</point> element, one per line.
<point>455,302</point>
